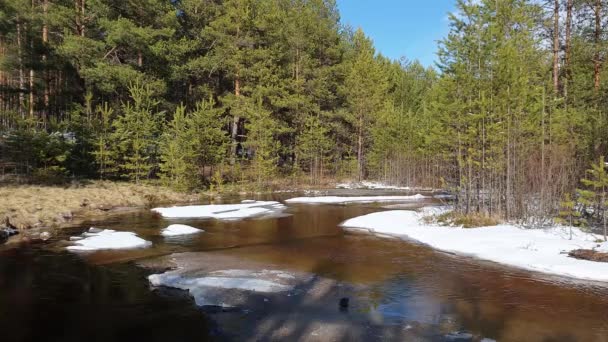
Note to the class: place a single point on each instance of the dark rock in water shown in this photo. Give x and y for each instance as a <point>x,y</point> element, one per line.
<point>459,337</point>
<point>3,236</point>
<point>5,233</point>
<point>344,304</point>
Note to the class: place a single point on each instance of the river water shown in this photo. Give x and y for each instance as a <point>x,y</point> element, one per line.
<point>397,290</point>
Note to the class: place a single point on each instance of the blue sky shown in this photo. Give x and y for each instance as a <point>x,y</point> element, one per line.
<point>399,28</point>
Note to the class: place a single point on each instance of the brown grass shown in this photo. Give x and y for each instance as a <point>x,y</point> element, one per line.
<point>471,220</point>
<point>588,254</point>
<point>46,206</point>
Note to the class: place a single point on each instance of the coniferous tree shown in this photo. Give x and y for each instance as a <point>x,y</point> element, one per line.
<point>136,133</point>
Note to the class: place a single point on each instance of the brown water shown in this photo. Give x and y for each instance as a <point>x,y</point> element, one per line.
<point>398,289</point>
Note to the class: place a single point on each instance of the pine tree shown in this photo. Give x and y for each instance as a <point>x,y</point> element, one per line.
<point>104,154</point>
<point>178,152</point>
<point>598,181</point>
<point>136,132</point>
<point>263,146</point>
<point>365,88</point>
<point>312,146</point>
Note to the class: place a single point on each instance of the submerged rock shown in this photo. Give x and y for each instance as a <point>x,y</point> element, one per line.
<point>45,236</point>
<point>459,337</point>
<point>344,303</point>
<point>7,230</point>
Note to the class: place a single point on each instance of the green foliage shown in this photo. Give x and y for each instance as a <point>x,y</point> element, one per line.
<point>191,141</point>
<point>104,153</point>
<point>136,132</point>
<point>598,181</point>
<point>262,143</point>
<point>313,146</point>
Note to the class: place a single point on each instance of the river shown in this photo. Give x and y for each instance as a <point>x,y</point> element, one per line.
<point>397,290</point>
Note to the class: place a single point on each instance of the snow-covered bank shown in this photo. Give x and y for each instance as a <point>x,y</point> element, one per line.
<point>541,250</point>
<point>98,239</point>
<point>242,210</point>
<point>180,229</point>
<point>354,199</point>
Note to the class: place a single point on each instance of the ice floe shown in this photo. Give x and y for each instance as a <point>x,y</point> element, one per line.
<point>354,199</point>
<point>98,239</point>
<point>370,185</point>
<point>210,289</point>
<point>180,229</point>
<point>541,250</point>
<point>245,209</point>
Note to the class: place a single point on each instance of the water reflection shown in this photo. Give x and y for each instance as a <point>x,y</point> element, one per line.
<point>58,297</point>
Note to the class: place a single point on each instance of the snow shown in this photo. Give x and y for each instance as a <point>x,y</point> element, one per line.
<point>180,229</point>
<point>205,289</point>
<point>98,239</point>
<point>541,250</point>
<point>353,199</point>
<point>370,185</point>
<point>245,209</point>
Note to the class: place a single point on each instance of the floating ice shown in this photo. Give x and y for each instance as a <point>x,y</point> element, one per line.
<point>97,239</point>
<point>201,288</point>
<point>541,250</point>
<point>180,229</point>
<point>245,209</point>
<point>370,185</point>
<point>354,199</point>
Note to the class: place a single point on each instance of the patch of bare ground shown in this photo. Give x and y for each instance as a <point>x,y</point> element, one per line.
<point>28,206</point>
<point>589,254</point>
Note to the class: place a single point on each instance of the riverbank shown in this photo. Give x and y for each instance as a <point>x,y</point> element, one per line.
<point>39,206</point>
<point>539,250</point>
<point>29,206</point>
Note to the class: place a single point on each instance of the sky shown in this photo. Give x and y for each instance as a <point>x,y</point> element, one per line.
<point>409,28</point>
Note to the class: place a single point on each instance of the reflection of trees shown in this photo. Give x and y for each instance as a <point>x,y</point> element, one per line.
<point>59,297</point>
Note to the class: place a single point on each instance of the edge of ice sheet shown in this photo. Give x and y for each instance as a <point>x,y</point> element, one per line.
<point>245,209</point>
<point>179,230</point>
<point>354,199</point>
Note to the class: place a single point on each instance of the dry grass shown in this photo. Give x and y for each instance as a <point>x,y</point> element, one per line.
<point>31,206</point>
<point>472,220</point>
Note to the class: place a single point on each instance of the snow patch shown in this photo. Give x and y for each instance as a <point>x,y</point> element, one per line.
<point>98,239</point>
<point>541,250</point>
<point>245,209</point>
<point>354,199</point>
<point>180,229</point>
<point>370,185</point>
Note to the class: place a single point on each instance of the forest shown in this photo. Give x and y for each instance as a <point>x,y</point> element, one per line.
<point>512,119</point>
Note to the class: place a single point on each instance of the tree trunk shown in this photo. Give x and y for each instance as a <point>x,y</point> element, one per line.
<point>21,72</point>
<point>83,19</point>
<point>569,5</point>
<point>235,121</point>
<point>556,47</point>
<point>31,90</point>
<point>360,148</point>
<point>45,41</point>
<point>597,65</point>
